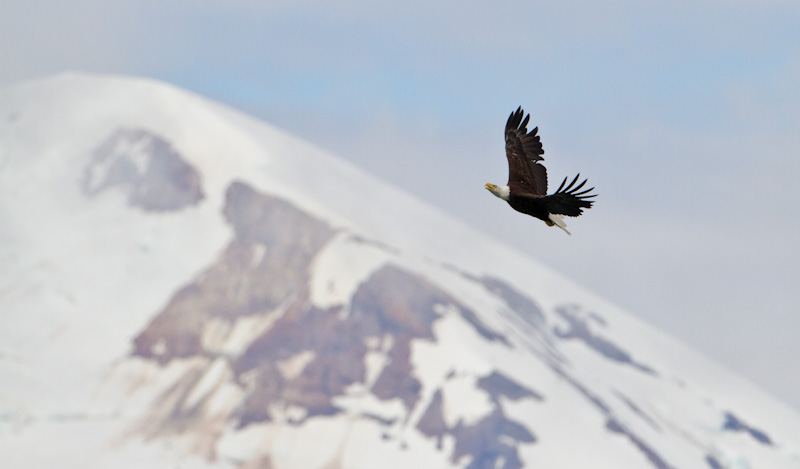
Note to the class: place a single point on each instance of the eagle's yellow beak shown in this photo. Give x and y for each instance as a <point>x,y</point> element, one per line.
<point>490,186</point>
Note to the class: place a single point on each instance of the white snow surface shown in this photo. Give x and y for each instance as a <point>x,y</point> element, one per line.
<point>341,267</point>
<point>80,277</point>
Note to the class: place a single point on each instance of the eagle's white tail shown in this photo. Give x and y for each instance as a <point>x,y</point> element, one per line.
<point>558,220</point>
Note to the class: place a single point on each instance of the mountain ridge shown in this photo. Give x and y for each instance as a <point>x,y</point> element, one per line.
<point>231,187</point>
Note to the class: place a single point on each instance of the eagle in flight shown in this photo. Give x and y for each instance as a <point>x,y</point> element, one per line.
<point>526,191</point>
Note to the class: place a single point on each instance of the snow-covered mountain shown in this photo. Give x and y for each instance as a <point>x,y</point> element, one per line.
<point>184,286</point>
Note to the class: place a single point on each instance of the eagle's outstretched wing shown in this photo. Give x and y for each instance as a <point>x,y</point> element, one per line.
<point>567,200</point>
<point>524,150</point>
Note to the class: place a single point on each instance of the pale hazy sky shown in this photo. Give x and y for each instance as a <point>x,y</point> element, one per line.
<point>684,114</point>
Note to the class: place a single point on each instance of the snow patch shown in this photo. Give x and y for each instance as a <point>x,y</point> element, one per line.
<point>376,358</point>
<point>259,249</point>
<point>463,401</point>
<point>293,366</point>
<point>215,375</point>
<point>457,351</point>
<point>233,340</point>
<point>341,266</point>
<point>295,413</point>
<point>358,401</point>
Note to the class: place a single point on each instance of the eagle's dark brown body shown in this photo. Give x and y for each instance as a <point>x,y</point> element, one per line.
<point>566,202</point>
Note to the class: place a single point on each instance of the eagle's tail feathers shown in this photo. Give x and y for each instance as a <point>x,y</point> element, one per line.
<point>558,220</point>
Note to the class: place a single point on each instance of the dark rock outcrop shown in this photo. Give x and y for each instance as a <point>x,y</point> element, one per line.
<point>155,176</point>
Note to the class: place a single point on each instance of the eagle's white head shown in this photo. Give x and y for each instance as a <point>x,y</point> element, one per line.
<point>500,191</point>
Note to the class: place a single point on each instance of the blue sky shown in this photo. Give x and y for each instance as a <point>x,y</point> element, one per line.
<point>685,115</point>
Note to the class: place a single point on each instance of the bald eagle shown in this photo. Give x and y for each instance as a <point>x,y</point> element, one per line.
<point>526,191</point>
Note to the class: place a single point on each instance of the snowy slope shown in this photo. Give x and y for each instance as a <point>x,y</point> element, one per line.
<point>180,283</point>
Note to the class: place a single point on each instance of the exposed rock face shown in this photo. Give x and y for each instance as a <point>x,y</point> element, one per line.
<point>263,267</point>
<point>498,385</point>
<point>300,358</point>
<point>579,328</point>
<point>154,175</point>
<point>290,360</point>
<point>651,454</point>
<point>488,442</point>
<point>392,303</point>
<point>491,441</point>
<point>432,421</point>
<point>249,322</point>
<point>515,300</point>
<point>734,424</point>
